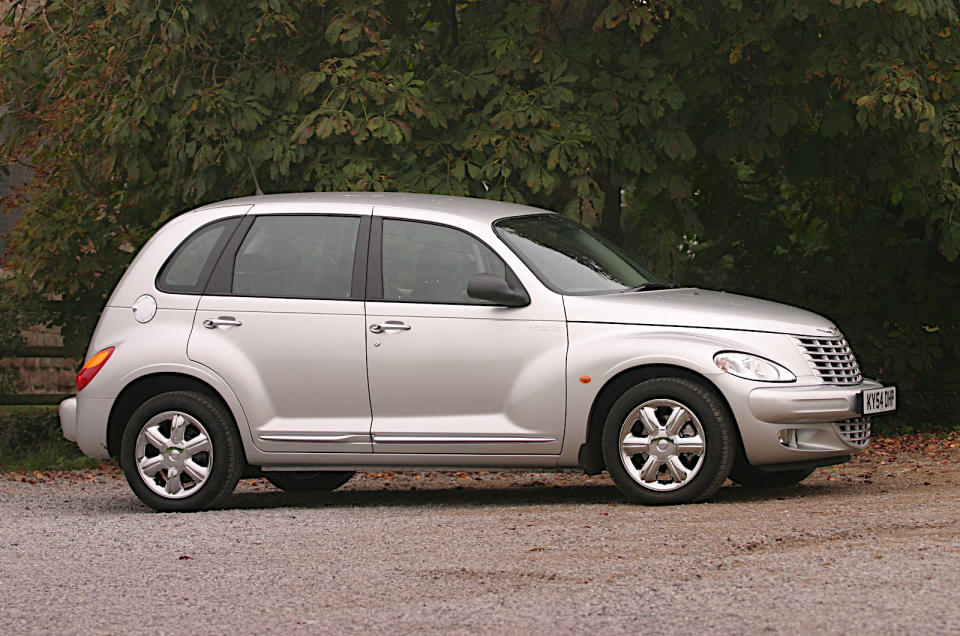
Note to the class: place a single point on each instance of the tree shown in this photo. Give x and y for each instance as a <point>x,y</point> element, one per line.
<point>753,144</point>
<point>826,168</point>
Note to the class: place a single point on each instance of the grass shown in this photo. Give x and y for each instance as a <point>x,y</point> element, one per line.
<point>27,409</point>
<point>57,456</point>
<point>31,439</point>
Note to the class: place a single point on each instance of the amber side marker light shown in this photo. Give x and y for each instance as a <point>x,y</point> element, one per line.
<point>585,379</point>
<point>92,367</point>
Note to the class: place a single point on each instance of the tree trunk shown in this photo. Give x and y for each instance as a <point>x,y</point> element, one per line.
<point>610,216</point>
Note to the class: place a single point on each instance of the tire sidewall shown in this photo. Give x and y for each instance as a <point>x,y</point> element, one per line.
<point>225,465</point>
<point>717,431</point>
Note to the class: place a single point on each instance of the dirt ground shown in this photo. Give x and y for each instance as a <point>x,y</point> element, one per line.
<point>872,545</point>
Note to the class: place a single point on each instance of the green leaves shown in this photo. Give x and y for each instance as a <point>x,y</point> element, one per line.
<point>468,87</point>
<point>675,143</point>
<point>749,141</point>
<point>950,240</point>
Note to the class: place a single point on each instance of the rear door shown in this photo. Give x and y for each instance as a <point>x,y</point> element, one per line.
<point>283,323</point>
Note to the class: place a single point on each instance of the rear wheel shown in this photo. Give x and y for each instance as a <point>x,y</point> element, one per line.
<point>309,481</point>
<point>180,451</point>
<point>751,477</point>
<point>668,440</point>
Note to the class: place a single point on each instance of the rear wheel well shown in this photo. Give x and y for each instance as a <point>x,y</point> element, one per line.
<point>141,390</point>
<point>591,452</point>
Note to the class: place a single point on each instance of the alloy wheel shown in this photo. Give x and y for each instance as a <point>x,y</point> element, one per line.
<point>174,454</point>
<point>662,445</point>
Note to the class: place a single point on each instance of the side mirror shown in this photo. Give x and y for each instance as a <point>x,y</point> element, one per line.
<point>496,290</point>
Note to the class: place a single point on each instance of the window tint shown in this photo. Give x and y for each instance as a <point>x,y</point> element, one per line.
<point>428,263</point>
<point>297,257</point>
<point>190,265</point>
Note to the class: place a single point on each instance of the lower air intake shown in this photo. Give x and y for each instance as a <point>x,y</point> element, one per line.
<point>855,432</point>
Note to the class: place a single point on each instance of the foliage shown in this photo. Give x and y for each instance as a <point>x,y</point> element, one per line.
<point>9,340</point>
<point>802,150</point>
<point>827,170</point>
<point>30,439</point>
<point>12,323</point>
<point>921,412</point>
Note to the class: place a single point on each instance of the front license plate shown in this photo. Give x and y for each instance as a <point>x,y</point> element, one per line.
<point>882,400</point>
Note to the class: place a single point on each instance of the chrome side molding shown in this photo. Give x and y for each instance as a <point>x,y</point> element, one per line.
<point>350,438</point>
<point>460,439</point>
<point>344,438</point>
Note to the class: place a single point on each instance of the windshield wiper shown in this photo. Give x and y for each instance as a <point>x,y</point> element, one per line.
<point>649,286</point>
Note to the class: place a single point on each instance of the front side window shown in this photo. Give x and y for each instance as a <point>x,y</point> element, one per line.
<point>302,256</point>
<point>427,263</point>
<point>188,269</point>
<point>570,258</point>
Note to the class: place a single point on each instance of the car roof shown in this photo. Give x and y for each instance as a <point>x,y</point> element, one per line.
<point>474,209</point>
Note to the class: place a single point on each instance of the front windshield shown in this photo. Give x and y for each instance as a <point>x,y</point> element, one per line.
<point>570,258</point>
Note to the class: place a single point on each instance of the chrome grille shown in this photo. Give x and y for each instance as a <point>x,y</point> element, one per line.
<point>855,432</point>
<point>832,359</point>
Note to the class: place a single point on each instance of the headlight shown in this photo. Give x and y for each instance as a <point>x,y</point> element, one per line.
<point>751,367</point>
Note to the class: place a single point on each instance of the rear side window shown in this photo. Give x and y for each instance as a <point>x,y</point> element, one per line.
<point>186,272</point>
<point>297,256</point>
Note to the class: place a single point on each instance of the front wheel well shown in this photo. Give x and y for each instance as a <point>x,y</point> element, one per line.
<point>141,390</point>
<point>591,452</point>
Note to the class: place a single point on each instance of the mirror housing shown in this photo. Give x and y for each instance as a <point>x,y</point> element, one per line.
<point>496,290</point>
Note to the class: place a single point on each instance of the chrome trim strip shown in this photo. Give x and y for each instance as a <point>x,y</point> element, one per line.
<point>320,439</point>
<point>460,439</point>
<point>439,468</point>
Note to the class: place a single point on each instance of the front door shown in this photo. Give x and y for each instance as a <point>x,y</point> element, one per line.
<point>286,331</point>
<point>449,374</point>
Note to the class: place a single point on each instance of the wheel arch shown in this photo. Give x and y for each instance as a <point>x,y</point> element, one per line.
<point>591,452</point>
<point>145,387</point>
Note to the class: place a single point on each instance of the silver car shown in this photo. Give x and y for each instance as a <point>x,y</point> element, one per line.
<point>303,337</point>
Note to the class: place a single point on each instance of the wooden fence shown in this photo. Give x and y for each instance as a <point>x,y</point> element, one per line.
<point>45,371</point>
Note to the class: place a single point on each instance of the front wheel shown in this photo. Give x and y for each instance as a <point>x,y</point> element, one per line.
<point>309,481</point>
<point>668,440</point>
<point>180,451</point>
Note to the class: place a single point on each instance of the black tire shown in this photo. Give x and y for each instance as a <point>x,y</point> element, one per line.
<point>751,477</point>
<point>718,441</point>
<point>224,460</point>
<point>309,481</point>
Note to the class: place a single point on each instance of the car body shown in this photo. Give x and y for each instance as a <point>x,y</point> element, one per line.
<point>331,332</point>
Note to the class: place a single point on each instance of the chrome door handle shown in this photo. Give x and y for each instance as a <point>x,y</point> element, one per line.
<point>222,321</point>
<point>390,325</point>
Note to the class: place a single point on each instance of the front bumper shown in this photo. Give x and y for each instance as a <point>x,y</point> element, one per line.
<point>790,424</point>
<point>801,404</point>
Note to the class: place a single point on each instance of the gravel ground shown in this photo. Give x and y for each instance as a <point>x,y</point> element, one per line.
<point>872,546</point>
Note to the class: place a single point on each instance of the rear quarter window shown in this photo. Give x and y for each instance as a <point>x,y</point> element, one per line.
<point>187,270</point>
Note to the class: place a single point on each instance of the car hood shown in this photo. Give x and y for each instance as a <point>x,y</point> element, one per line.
<point>689,307</point>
